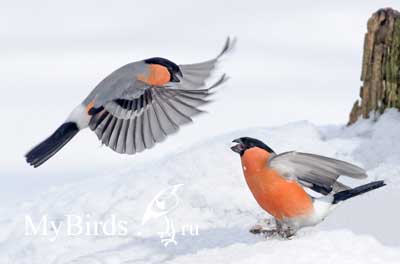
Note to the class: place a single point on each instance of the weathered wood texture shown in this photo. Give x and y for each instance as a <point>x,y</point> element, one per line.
<point>380,66</point>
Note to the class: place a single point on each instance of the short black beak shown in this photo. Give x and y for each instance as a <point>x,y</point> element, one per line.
<point>175,78</point>
<point>180,73</point>
<point>239,147</point>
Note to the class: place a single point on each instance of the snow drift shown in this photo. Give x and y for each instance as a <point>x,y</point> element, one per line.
<point>215,199</point>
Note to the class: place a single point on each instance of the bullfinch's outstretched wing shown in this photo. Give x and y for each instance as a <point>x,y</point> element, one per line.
<point>316,172</point>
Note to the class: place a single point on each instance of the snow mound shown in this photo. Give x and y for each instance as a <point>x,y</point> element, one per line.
<point>321,247</point>
<point>215,200</point>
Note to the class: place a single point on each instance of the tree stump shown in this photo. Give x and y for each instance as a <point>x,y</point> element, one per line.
<point>380,72</point>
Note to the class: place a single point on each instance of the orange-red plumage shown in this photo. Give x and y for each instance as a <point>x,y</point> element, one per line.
<point>280,197</point>
<point>158,75</point>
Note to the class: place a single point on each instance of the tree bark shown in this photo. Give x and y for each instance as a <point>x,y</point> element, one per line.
<point>380,72</point>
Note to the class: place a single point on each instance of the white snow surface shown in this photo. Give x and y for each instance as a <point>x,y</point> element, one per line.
<point>216,199</point>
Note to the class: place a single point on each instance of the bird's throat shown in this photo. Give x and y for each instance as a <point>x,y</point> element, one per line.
<point>254,160</point>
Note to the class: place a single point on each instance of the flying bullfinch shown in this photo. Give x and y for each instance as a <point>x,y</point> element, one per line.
<point>277,182</point>
<point>137,106</point>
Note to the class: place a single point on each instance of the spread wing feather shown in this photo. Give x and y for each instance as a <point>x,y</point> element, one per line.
<point>195,75</point>
<point>313,171</point>
<point>139,124</point>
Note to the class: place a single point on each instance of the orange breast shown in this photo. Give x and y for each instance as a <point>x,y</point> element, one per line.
<point>279,197</point>
<point>158,75</point>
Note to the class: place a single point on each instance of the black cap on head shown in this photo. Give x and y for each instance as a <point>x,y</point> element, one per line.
<point>172,67</point>
<point>245,143</point>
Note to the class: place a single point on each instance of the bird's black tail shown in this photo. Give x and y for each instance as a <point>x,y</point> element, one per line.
<point>45,150</point>
<point>344,195</point>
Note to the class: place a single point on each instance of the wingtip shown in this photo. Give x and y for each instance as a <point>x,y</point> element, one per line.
<point>224,78</point>
<point>229,45</point>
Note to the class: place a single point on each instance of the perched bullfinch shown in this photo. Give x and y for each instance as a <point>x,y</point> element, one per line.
<point>277,182</point>
<point>137,106</point>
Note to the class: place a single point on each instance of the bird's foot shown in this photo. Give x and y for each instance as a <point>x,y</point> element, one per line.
<point>272,233</point>
<point>267,232</point>
<point>263,226</point>
<point>285,231</point>
<point>272,229</point>
<point>285,234</point>
<point>257,229</point>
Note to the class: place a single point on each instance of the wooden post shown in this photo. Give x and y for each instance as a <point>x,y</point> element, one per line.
<point>380,72</point>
